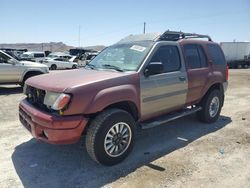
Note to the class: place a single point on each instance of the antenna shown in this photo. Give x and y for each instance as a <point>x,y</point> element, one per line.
<point>144,27</point>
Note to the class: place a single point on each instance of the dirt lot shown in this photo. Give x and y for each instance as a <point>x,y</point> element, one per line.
<point>183,153</point>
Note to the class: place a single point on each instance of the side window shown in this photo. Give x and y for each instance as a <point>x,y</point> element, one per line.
<point>38,55</point>
<point>203,58</point>
<point>169,56</point>
<point>58,59</point>
<point>216,54</point>
<point>4,58</point>
<point>192,56</point>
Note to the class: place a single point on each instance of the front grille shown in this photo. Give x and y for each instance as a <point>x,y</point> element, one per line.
<point>36,97</point>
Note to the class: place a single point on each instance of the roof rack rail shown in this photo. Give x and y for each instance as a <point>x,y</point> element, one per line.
<point>178,35</point>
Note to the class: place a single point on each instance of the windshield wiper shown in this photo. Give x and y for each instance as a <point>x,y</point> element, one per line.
<point>113,67</point>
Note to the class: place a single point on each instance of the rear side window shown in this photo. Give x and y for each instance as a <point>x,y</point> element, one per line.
<point>38,55</point>
<point>169,56</point>
<point>203,58</point>
<point>192,56</point>
<point>216,54</point>
<point>195,56</point>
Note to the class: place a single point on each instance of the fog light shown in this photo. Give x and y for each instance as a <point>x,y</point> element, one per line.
<point>46,134</point>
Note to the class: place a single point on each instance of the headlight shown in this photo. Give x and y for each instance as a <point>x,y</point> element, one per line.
<point>56,101</point>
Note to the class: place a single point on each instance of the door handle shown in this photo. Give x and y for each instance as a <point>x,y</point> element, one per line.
<point>182,78</point>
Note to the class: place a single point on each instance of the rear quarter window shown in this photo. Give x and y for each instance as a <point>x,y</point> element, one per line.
<point>216,54</point>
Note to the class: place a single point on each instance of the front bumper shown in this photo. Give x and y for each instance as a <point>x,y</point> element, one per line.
<point>50,128</point>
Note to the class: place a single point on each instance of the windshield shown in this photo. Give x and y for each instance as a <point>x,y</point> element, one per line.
<point>122,57</point>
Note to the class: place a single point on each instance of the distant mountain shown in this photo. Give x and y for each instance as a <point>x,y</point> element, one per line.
<point>96,48</point>
<point>52,46</point>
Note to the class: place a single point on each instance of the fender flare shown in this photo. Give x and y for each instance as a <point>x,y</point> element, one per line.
<point>112,95</point>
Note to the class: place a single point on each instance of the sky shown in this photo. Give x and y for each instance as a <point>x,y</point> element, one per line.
<point>106,22</point>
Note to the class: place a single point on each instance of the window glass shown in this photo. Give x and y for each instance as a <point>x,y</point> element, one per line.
<point>58,59</point>
<point>38,55</point>
<point>4,58</point>
<point>123,56</point>
<point>169,56</point>
<point>192,56</point>
<point>203,58</point>
<point>216,54</point>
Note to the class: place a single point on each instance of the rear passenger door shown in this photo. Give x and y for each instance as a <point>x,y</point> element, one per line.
<point>161,93</point>
<point>197,71</point>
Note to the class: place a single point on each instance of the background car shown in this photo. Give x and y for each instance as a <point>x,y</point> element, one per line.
<point>13,71</point>
<point>86,58</point>
<point>60,63</point>
<point>32,56</point>
<point>58,55</point>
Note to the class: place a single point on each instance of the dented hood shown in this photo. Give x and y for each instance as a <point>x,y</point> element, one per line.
<point>60,81</point>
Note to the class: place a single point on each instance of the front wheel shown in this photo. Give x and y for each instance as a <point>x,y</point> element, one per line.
<point>110,136</point>
<point>211,107</point>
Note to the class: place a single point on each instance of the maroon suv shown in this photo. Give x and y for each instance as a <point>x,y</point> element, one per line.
<point>143,80</point>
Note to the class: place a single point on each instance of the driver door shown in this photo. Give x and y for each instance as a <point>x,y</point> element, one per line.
<point>167,91</point>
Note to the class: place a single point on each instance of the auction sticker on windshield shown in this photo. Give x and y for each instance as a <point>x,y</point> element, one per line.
<point>137,48</point>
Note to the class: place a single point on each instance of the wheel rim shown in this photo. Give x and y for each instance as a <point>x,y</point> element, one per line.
<point>214,106</point>
<point>118,139</point>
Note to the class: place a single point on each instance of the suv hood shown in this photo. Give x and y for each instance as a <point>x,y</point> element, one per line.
<point>70,79</point>
<point>31,64</point>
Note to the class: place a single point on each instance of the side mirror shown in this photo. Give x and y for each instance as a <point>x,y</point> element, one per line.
<point>153,68</point>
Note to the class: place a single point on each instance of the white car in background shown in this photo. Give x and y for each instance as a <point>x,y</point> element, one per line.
<point>86,58</point>
<point>58,55</point>
<point>60,63</point>
<point>33,56</point>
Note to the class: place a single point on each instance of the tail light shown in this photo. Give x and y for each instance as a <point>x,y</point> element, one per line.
<point>227,73</point>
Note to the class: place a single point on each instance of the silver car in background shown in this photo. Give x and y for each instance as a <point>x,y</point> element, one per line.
<point>13,71</point>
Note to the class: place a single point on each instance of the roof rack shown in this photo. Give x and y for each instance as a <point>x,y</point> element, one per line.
<point>178,35</point>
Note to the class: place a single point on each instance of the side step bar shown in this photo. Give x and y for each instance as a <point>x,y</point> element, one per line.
<point>169,117</point>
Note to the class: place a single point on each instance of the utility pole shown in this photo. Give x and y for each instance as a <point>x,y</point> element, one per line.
<point>144,27</point>
<point>79,36</point>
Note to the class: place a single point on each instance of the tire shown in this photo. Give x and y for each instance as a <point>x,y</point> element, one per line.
<point>53,67</point>
<point>211,107</point>
<point>74,67</point>
<point>103,128</point>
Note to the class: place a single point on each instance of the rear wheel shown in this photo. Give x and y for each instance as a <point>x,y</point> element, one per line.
<point>53,67</point>
<point>211,107</point>
<point>110,136</point>
<point>74,67</point>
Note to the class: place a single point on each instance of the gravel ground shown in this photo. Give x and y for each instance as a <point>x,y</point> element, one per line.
<point>183,153</point>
